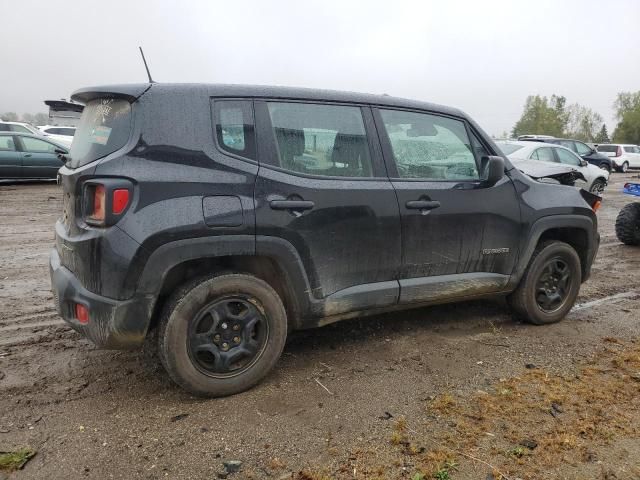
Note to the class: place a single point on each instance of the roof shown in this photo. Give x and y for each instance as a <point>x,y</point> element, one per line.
<point>133,91</point>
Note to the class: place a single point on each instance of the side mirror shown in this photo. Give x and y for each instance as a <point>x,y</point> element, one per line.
<point>583,163</point>
<point>493,170</point>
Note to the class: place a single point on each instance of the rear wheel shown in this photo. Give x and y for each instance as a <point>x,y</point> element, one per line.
<point>597,187</point>
<point>549,286</point>
<point>221,335</point>
<point>628,224</point>
<point>624,167</point>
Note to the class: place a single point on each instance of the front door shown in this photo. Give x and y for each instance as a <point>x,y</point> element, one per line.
<point>323,189</point>
<point>459,238</point>
<point>39,158</point>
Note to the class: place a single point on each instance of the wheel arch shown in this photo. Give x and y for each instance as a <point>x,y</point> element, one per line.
<point>579,231</point>
<point>177,262</point>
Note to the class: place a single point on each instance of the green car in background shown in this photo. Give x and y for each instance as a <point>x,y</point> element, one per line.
<point>24,156</point>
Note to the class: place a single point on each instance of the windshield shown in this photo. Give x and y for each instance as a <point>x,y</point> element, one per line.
<point>104,127</point>
<point>508,148</point>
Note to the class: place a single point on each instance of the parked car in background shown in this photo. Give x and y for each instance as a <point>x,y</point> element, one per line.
<point>596,178</point>
<point>623,155</point>
<point>585,151</point>
<point>60,134</point>
<point>19,127</point>
<point>27,156</point>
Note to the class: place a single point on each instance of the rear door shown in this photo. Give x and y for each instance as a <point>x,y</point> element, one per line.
<point>459,238</point>
<point>322,188</point>
<point>10,158</point>
<point>39,159</point>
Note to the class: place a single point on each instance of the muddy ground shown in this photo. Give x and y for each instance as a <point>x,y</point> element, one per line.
<point>444,392</point>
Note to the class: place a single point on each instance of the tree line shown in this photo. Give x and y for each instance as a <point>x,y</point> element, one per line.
<point>552,116</point>
<point>37,119</point>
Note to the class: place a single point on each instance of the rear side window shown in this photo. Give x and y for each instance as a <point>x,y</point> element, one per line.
<point>429,146</point>
<point>7,144</point>
<point>544,154</point>
<point>317,139</point>
<point>105,126</point>
<point>607,148</point>
<point>67,131</point>
<point>234,127</point>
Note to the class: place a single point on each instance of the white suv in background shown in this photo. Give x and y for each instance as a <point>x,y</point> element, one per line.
<point>623,156</point>
<point>59,133</point>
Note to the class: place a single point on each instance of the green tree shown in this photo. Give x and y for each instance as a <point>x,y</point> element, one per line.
<point>9,117</point>
<point>602,136</point>
<point>627,106</point>
<point>582,123</point>
<point>542,116</point>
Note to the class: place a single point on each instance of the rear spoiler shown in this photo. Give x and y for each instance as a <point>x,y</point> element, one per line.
<point>130,92</point>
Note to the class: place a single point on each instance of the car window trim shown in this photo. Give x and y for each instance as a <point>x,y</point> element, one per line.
<point>387,150</point>
<point>267,143</point>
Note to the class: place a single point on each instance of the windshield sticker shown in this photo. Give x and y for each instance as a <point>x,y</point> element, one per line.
<point>103,110</point>
<point>100,135</point>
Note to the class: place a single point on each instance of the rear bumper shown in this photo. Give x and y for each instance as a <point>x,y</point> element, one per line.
<point>113,324</point>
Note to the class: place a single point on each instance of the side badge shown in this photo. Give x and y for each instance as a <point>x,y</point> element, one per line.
<point>495,251</point>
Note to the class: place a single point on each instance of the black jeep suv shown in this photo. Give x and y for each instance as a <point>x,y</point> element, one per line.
<point>224,217</point>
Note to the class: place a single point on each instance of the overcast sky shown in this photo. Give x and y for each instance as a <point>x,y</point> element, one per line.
<point>484,57</point>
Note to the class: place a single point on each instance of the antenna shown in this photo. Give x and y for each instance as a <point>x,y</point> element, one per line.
<point>146,66</point>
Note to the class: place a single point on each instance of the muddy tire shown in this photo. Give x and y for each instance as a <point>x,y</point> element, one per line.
<point>222,335</point>
<point>549,286</point>
<point>628,224</point>
<point>598,186</point>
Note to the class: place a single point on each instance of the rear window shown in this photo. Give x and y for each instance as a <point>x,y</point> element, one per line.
<point>607,148</point>
<point>508,149</point>
<point>104,127</point>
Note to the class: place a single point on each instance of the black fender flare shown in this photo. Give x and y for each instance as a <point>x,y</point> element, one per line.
<point>164,258</point>
<point>544,224</point>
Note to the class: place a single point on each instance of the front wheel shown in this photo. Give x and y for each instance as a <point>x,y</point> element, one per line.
<point>597,187</point>
<point>221,335</point>
<point>605,166</point>
<point>550,285</point>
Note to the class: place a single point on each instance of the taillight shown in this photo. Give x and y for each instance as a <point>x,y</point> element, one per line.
<point>120,201</point>
<point>97,212</point>
<point>106,200</point>
<point>82,313</point>
<point>618,151</point>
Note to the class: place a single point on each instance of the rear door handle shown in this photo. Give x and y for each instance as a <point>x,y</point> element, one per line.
<point>291,204</point>
<point>27,155</point>
<point>422,204</point>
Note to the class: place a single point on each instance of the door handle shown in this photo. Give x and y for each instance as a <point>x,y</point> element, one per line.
<point>27,155</point>
<point>422,204</point>
<point>291,204</point>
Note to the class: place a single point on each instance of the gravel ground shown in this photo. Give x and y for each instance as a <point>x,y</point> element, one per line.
<point>335,394</point>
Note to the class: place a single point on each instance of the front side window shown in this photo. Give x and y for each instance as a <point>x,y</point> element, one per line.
<point>317,139</point>
<point>67,131</point>
<point>632,149</point>
<point>234,127</point>
<point>544,154</point>
<point>567,157</point>
<point>429,146</point>
<point>582,149</point>
<point>37,146</point>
